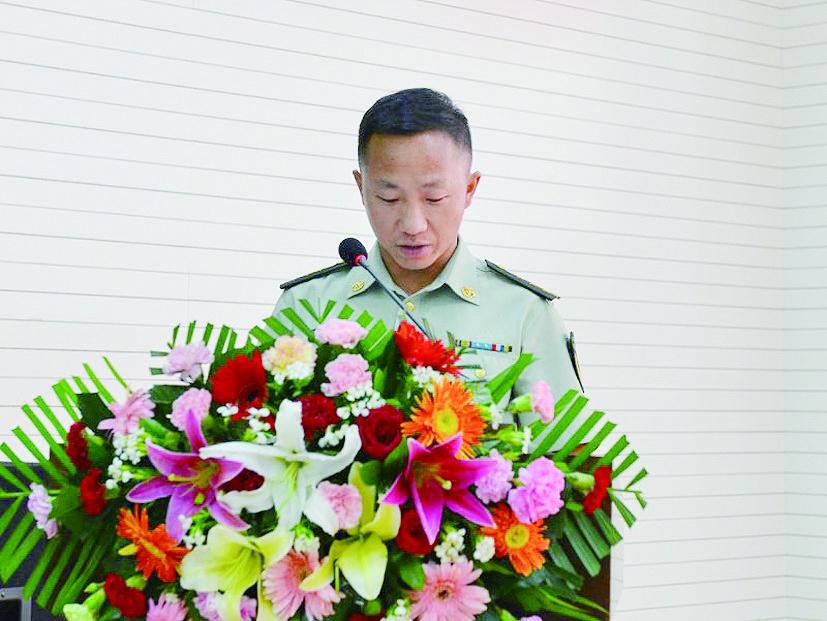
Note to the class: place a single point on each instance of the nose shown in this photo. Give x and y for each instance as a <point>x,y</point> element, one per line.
<point>412,219</point>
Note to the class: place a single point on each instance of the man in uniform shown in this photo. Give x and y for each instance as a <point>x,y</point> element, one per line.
<point>416,183</point>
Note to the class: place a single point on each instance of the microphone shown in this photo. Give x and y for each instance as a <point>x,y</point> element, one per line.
<point>353,252</point>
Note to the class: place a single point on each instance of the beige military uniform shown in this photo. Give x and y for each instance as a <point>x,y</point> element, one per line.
<point>491,313</point>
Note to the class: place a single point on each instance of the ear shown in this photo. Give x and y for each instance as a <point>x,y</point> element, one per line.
<point>358,176</point>
<point>471,186</point>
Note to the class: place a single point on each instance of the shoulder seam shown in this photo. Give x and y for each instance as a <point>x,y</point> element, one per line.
<point>313,275</point>
<point>521,281</point>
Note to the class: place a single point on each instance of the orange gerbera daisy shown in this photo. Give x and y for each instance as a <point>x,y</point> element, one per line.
<point>523,544</point>
<point>154,549</point>
<point>439,416</point>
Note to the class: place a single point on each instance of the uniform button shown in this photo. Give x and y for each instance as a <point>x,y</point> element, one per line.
<point>357,286</point>
<point>410,306</point>
<point>469,292</point>
<point>479,373</point>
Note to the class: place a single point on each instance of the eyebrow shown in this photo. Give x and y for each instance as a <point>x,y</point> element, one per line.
<point>390,185</point>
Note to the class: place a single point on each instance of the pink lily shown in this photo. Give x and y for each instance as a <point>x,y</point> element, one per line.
<point>435,478</point>
<point>190,482</point>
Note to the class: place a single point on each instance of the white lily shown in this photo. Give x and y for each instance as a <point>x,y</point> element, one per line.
<point>290,471</point>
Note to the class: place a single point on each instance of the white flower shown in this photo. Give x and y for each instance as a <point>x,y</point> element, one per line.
<point>484,551</point>
<point>450,549</point>
<point>290,471</point>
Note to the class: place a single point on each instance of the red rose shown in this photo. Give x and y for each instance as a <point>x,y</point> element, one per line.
<point>244,481</point>
<point>77,448</point>
<point>419,351</point>
<point>381,431</point>
<point>130,601</point>
<point>318,412</point>
<point>411,538</point>
<point>595,498</point>
<point>91,493</point>
<point>241,381</point>
<point>358,616</point>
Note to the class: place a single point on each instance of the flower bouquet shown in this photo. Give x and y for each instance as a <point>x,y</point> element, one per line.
<point>335,471</point>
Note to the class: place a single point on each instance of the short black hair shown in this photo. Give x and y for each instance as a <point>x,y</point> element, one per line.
<point>413,111</point>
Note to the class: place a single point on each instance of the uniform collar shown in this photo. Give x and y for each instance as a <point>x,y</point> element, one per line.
<point>459,275</point>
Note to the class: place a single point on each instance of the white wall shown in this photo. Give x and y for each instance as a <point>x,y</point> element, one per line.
<point>805,254</point>
<point>164,161</point>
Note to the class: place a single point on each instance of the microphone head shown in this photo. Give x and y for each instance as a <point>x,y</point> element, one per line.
<point>352,251</point>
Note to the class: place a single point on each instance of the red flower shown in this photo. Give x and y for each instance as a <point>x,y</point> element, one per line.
<point>595,498</point>
<point>358,616</point>
<point>241,381</point>
<point>411,538</point>
<point>419,351</point>
<point>130,601</point>
<point>244,481</point>
<point>318,412</point>
<point>91,493</point>
<point>77,448</point>
<point>380,431</point>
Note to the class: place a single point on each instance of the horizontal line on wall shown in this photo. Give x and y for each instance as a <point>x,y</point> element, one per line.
<point>701,561</point>
<point>407,46</point>
<point>683,608</point>
<point>248,173</point>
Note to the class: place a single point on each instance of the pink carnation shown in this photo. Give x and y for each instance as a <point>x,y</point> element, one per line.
<point>127,417</point>
<point>290,357</point>
<point>494,486</point>
<point>531,618</point>
<point>281,581</point>
<point>187,360</point>
<point>340,332</point>
<point>345,372</point>
<point>39,504</point>
<point>195,400</point>
<point>207,605</point>
<point>542,401</point>
<point>346,502</point>
<point>539,496</point>
<point>168,608</point>
<point>448,594</point>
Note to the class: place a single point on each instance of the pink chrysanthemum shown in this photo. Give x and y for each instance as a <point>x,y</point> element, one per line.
<point>345,500</point>
<point>168,608</point>
<point>196,400</point>
<point>187,360</point>
<point>539,496</point>
<point>39,504</point>
<point>345,372</point>
<point>542,401</point>
<point>494,486</point>
<point>448,594</point>
<point>340,332</point>
<point>128,416</point>
<point>281,586</point>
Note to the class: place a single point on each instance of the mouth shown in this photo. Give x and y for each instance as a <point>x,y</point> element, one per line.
<point>412,250</point>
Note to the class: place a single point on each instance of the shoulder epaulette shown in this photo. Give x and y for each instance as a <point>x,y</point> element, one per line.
<point>313,275</point>
<point>521,281</point>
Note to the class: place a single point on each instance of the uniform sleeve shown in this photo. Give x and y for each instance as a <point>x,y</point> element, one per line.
<point>545,335</point>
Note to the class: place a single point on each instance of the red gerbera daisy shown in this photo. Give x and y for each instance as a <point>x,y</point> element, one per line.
<point>419,351</point>
<point>241,381</point>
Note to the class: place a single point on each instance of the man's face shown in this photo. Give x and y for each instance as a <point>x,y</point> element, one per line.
<point>415,190</point>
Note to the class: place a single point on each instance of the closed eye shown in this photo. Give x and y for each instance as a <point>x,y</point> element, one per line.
<point>435,200</point>
<point>388,201</point>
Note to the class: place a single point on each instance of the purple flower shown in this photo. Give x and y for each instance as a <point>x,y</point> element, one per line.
<point>345,372</point>
<point>187,360</point>
<point>340,332</point>
<point>190,482</point>
<point>39,504</point>
<point>435,479</point>
<point>494,486</point>
<point>539,496</point>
